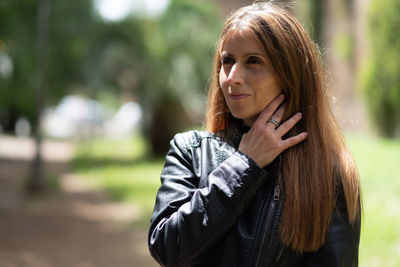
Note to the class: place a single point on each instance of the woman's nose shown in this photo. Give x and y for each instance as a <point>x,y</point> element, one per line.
<point>235,75</point>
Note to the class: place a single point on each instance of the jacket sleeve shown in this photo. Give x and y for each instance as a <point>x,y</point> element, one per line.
<point>342,242</point>
<point>187,219</point>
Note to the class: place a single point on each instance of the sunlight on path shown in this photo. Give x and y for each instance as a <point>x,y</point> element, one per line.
<point>24,148</point>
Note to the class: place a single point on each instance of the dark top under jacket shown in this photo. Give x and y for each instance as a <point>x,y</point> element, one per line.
<point>217,207</point>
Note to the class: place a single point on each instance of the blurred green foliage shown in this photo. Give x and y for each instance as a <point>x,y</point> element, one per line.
<point>162,62</point>
<point>381,77</point>
<point>181,46</point>
<point>72,33</point>
<point>17,46</point>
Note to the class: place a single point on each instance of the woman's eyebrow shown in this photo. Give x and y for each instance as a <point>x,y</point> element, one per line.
<point>225,53</point>
<point>255,54</point>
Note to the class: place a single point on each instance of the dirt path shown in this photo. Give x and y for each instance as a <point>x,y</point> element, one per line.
<point>75,226</point>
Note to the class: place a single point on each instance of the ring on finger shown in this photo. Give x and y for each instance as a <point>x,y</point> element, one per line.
<point>275,122</point>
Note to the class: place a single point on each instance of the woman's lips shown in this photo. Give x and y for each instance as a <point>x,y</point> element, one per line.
<point>238,96</point>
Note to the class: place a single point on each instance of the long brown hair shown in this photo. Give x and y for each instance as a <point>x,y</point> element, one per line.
<point>313,171</point>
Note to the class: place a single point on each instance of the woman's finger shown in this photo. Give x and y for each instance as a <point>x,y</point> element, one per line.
<point>294,140</point>
<point>285,127</point>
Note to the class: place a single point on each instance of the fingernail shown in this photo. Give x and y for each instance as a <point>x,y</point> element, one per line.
<point>299,114</point>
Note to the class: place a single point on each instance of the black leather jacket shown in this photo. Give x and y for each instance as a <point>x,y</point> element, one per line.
<point>217,207</point>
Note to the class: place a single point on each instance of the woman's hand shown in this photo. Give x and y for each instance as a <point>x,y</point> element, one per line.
<point>263,143</point>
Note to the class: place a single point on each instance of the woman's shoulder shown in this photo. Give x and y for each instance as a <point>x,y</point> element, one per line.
<point>194,138</point>
<point>202,146</point>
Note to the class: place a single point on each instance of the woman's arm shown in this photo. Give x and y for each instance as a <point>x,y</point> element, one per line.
<point>187,219</point>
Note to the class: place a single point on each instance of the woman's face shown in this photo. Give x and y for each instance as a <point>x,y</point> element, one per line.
<point>246,77</point>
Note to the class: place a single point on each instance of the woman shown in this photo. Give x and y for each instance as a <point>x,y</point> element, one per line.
<point>271,183</point>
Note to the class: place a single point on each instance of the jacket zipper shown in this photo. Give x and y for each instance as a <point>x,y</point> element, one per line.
<point>282,247</point>
<point>277,191</point>
<point>271,211</point>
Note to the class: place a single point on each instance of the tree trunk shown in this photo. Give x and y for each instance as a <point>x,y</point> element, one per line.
<point>168,118</point>
<point>36,181</point>
<point>316,14</point>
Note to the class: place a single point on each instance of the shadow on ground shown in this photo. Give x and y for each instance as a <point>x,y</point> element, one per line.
<point>72,226</point>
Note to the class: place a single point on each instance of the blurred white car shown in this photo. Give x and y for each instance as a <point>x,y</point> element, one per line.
<point>79,117</point>
<point>74,117</point>
<point>126,121</point>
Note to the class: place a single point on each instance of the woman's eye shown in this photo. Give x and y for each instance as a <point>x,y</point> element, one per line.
<point>254,60</point>
<point>227,60</point>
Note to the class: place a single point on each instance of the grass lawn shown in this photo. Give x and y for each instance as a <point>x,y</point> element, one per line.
<point>121,168</point>
<point>379,166</point>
